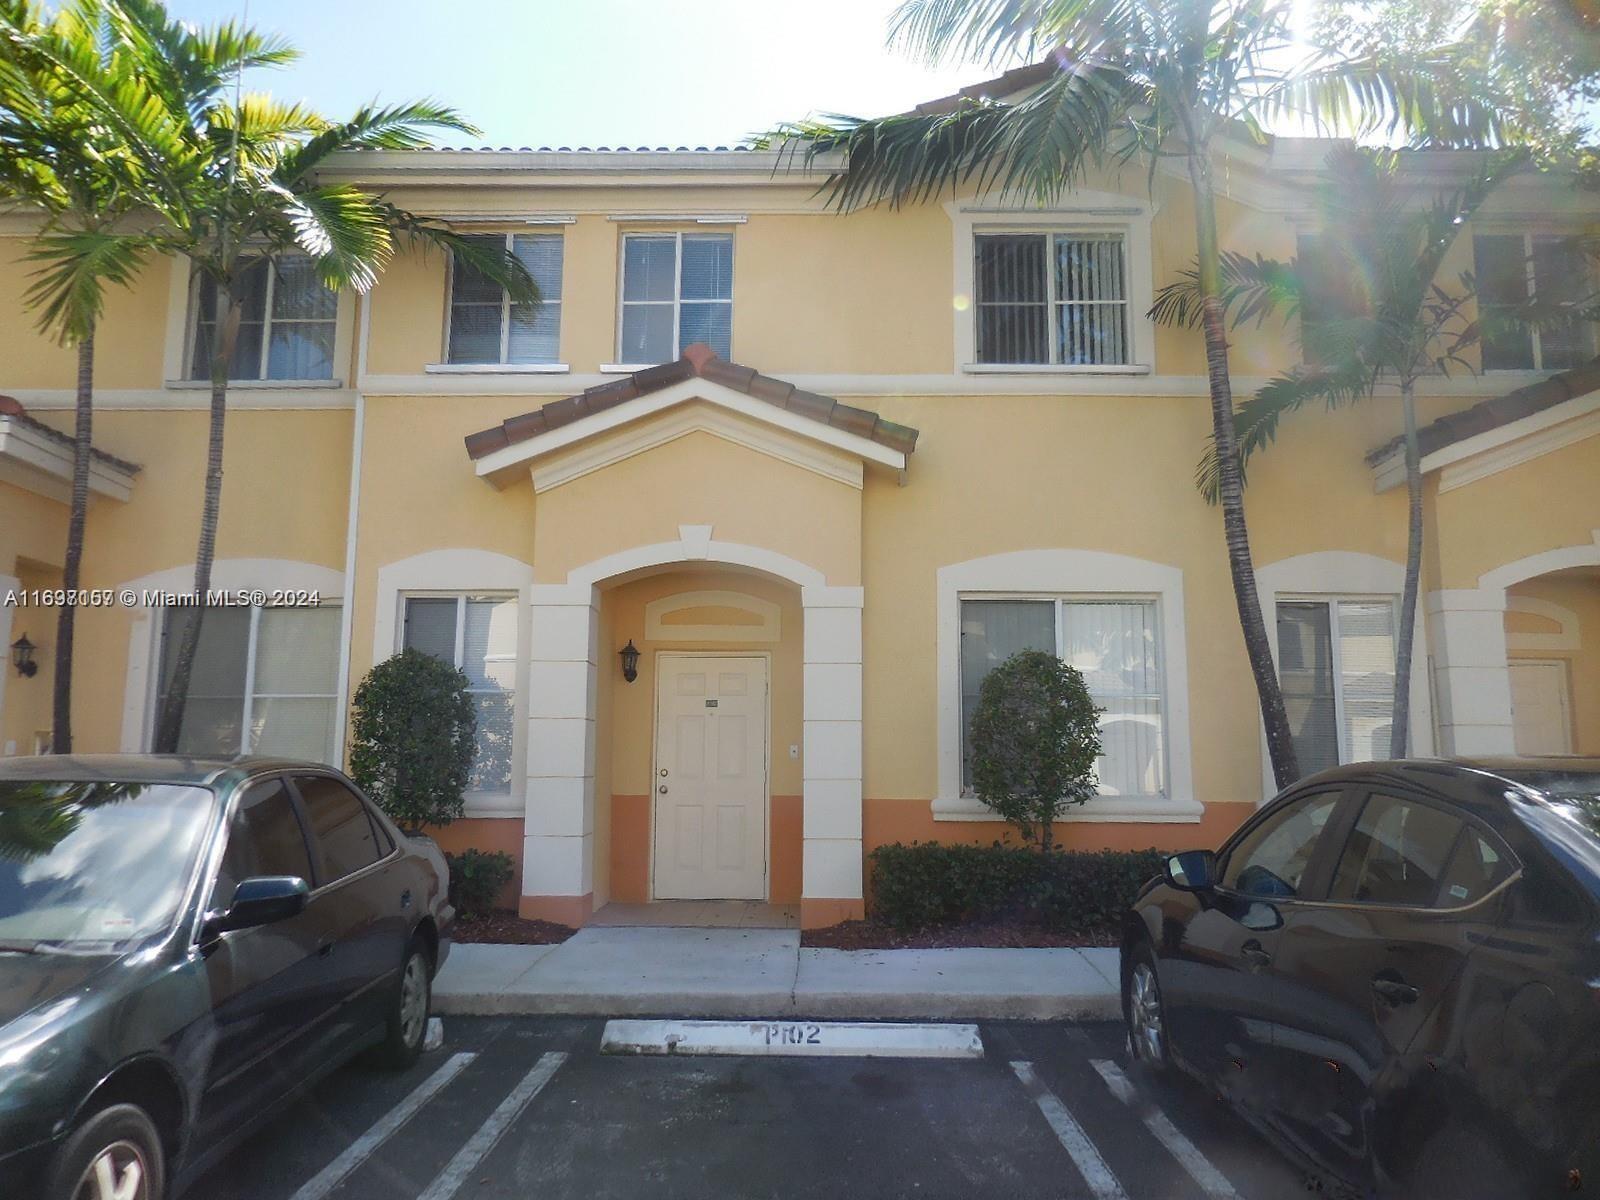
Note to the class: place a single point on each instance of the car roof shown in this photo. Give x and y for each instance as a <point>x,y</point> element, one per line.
<point>1477,784</point>
<point>208,772</point>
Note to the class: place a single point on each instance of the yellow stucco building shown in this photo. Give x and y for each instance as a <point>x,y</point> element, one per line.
<point>821,472</point>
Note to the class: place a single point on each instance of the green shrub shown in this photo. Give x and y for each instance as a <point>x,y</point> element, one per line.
<point>1035,736</point>
<point>1079,891</point>
<point>477,877</point>
<point>413,732</point>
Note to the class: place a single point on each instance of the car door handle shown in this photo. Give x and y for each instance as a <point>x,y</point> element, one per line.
<point>1395,991</point>
<point>324,950</point>
<point>1253,953</point>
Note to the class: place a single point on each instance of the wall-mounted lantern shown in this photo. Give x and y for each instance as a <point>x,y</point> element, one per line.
<point>22,657</point>
<point>630,661</point>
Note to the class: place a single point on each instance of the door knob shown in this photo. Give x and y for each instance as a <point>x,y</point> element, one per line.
<point>663,772</point>
<point>1253,954</point>
<point>1395,990</point>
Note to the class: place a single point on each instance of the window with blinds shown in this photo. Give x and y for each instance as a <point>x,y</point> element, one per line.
<point>477,635</point>
<point>485,326</point>
<point>677,289</point>
<point>1549,270</point>
<point>1052,299</point>
<point>1336,667</point>
<point>1116,646</point>
<point>264,681</point>
<point>288,322</point>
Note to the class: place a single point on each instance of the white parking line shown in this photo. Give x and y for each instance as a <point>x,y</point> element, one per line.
<point>358,1151</point>
<point>492,1130</point>
<point>1070,1134</point>
<point>1200,1168</point>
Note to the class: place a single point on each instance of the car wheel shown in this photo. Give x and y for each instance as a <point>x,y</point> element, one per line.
<point>1145,1014</point>
<point>407,1020</point>
<point>114,1155</point>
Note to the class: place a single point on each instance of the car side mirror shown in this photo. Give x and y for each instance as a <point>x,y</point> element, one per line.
<point>260,900</point>
<point>1192,871</point>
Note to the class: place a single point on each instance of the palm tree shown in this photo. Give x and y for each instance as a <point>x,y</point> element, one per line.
<point>1395,324</point>
<point>241,191</point>
<point>59,158</point>
<point>1161,81</point>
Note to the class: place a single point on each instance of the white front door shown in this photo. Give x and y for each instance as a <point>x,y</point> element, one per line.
<point>1540,707</point>
<point>711,778</point>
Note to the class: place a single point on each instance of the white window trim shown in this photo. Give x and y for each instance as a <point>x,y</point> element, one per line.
<point>1068,574</point>
<point>677,294</point>
<point>462,571</point>
<point>1085,211</point>
<point>1346,575</point>
<point>503,365</point>
<point>1527,234</point>
<point>181,325</point>
<point>143,679</point>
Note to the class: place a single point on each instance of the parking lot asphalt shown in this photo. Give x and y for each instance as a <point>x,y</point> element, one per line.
<point>524,1106</point>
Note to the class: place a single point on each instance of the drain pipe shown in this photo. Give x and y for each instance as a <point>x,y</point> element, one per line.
<point>347,614</point>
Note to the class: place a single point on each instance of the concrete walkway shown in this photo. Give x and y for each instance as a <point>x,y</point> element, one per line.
<point>764,973</point>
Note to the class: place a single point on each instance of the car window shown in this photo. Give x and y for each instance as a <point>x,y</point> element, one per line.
<point>1396,853</point>
<point>1273,857</point>
<point>264,838</point>
<point>339,825</point>
<point>1476,869</point>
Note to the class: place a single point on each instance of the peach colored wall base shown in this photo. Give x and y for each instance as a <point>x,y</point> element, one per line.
<point>630,849</point>
<point>819,914</point>
<point>572,911</point>
<point>783,876</point>
<point>485,833</point>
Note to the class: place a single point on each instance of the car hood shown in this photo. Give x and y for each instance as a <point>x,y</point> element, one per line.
<point>28,981</point>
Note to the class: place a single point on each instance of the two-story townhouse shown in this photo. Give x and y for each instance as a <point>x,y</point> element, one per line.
<point>727,532</point>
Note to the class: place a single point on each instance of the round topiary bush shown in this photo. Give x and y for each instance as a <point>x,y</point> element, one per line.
<point>413,733</point>
<point>1035,738</point>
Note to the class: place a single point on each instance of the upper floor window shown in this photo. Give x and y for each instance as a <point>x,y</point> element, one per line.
<point>677,289</point>
<point>288,321</point>
<point>1336,665</point>
<point>477,635</point>
<point>1052,298</point>
<point>1114,644</point>
<point>1549,269</point>
<point>485,326</point>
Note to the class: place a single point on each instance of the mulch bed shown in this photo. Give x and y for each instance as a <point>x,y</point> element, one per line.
<point>504,928</point>
<point>874,935</point>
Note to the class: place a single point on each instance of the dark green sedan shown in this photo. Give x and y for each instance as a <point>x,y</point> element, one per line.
<point>184,945</point>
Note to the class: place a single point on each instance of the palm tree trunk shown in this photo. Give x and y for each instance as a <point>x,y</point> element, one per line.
<point>71,571</point>
<point>1280,742</point>
<point>170,725</point>
<point>1400,723</point>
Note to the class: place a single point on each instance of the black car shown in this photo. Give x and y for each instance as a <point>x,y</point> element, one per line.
<point>1393,970</point>
<point>184,944</point>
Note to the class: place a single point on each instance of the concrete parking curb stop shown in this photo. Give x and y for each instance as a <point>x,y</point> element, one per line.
<point>754,974</point>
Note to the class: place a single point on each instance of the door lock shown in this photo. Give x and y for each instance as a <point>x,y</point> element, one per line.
<point>663,789</point>
<point>663,772</point>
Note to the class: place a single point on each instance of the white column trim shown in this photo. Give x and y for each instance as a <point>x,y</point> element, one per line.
<point>1063,572</point>
<point>831,720</point>
<point>7,612</point>
<point>1472,678</point>
<point>1542,564</point>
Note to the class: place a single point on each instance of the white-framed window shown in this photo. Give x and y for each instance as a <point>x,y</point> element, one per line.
<point>1052,298</point>
<point>1115,641</point>
<point>288,326</point>
<point>477,634</point>
<point>1336,664</point>
<point>485,326</point>
<point>677,289</point>
<point>1514,268</point>
<point>264,681</point>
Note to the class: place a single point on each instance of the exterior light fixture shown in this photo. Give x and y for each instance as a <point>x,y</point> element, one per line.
<point>22,657</point>
<point>630,661</point>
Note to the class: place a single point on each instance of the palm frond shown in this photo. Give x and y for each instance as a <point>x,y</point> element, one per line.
<point>343,230</point>
<point>499,265</point>
<point>392,127</point>
<point>75,267</point>
<point>1253,288</point>
<point>981,31</point>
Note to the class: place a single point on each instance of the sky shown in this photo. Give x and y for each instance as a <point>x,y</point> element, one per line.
<point>595,72</point>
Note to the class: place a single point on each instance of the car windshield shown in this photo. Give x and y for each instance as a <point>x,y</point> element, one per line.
<point>90,867</point>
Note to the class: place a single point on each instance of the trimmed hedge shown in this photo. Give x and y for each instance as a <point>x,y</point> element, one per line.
<point>477,877</point>
<point>1081,891</point>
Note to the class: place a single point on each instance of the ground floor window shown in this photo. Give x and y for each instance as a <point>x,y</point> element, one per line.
<point>1115,643</point>
<point>264,681</point>
<point>1336,665</point>
<point>478,635</point>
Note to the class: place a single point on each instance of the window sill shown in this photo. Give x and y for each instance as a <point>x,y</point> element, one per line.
<point>492,804</point>
<point>1054,369</point>
<point>1164,810</point>
<point>497,369</point>
<point>204,385</point>
<point>625,368</point>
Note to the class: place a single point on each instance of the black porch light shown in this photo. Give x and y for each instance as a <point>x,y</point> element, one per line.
<point>22,657</point>
<point>630,661</point>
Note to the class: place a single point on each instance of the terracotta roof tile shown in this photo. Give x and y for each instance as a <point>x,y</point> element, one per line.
<point>1502,410</point>
<point>700,361</point>
<point>13,408</point>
